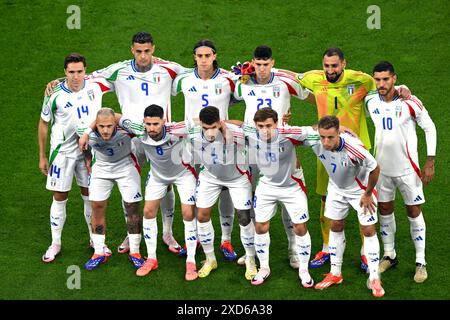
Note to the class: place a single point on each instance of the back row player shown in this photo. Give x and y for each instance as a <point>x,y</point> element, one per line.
<point>140,82</point>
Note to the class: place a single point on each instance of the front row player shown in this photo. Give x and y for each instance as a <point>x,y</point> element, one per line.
<point>219,148</point>
<point>353,173</point>
<point>112,161</point>
<point>274,151</point>
<point>396,144</point>
<point>163,145</point>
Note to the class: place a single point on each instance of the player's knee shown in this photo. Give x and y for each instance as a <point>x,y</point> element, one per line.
<point>150,212</point>
<point>244,217</point>
<point>368,231</point>
<point>386,207</point>
<point>413,211</point>
<point>337,225</point>
<point>98,206</point>
<point>261,228</point>
<point>60,196</point>
<point>300,229</point>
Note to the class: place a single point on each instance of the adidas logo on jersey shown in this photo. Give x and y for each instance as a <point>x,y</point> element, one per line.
<point>322,157</point>
<point>137,196</point>
<point>252,93</point>
<point>68,105</point>
<point>418,198</point>
<point>130,77</point>
<point>376,111</point>
<point>192,89</point>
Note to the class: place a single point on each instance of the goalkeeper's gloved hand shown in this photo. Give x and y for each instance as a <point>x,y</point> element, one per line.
<point>245,68</point>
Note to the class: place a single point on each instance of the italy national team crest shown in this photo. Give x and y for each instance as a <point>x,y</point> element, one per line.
<point>276,92</point>
<point>398,111</point>
<point>218,88</point>
<point>351,89</point>
<point>156,77</point>
<point>91,94</point>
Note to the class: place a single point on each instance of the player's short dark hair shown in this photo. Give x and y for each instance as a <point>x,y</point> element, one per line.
<point>383,66</point>
<point>142,37</point>
<point>328,122</point>
<point>209,115</point>
<point>154,110</point>
<point>206,43</point>
<point>74,57</point>
<point>334,52</point>
<point>265,113</point>
<point>262,52</point>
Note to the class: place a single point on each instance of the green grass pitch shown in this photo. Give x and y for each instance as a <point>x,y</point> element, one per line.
<point>35,39</point>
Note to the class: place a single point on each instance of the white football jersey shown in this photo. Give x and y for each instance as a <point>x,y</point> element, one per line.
<point>348,167</point>
<point>66,110</point>
<point>222,159</point>
<point>276,160</point>
<point>167,156</point>
<point>114,153</point>
<point>198,93</point>
<point>276,94</point>
<point>395,133</point>
<point>137,90</point>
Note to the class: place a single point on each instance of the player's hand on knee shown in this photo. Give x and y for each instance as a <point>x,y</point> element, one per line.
<point>368,204</point>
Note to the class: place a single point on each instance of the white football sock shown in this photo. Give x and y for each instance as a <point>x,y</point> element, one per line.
<point>190,238</point>
<point>262,246</point>
<point>417,229</point>
<point>205,232</point>
<point>289,229</point>
<point>388,228</point>
<point>226,215</point>
<point>99,243</point>
<point>87,213</point>
<point>135,242</point>
<point>150,228</point>
<point>372,253</point>
<point>303,250</point>
<point>336,246</point>
<point>57,219</point>
<point>167,210</point>
<point>248,239</point>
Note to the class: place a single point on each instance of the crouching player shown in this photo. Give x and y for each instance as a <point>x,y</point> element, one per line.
<point>112,161</point>
<point>163,145</point>
<point>353,173</point>
<point>273,148</point>
<point>219,148</point>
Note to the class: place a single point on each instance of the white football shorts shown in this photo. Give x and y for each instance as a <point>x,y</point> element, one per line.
<point>337,207</point>
<point>125,174</point>
<point>410,187</point>
<point>61,172</point>
<point>156,188</point>
<point>208,190</point>
<point>292,197</point>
